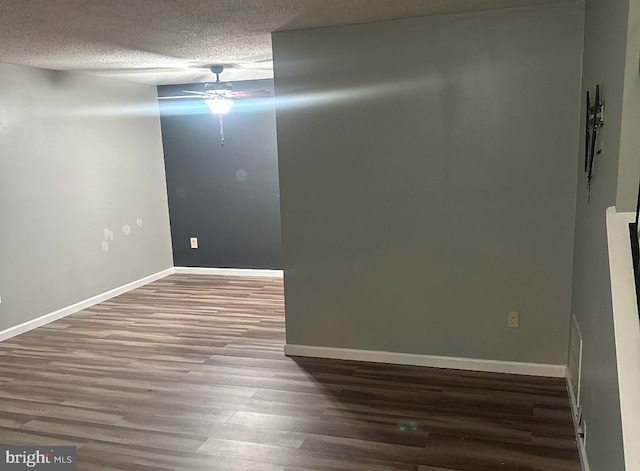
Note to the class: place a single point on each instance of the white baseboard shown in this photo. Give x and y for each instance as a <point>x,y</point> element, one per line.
<point>584,462</point>
<point>59,314</point>
<point>471,364</point>
<point>228,272</point>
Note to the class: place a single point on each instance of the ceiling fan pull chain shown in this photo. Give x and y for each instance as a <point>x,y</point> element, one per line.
<point>221,131</point>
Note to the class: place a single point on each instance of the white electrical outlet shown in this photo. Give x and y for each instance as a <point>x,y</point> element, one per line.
<point>513,319</point>
<point>194,242</point>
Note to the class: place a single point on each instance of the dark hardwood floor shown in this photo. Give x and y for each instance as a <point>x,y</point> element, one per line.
<point>188,374</point>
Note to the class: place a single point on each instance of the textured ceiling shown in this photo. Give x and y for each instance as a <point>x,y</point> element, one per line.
<point>168,41</point>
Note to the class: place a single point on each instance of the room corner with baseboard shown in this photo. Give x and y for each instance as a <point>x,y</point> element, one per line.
<point>82,193</point>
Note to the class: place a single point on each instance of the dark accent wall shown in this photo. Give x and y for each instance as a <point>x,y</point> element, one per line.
<point>227,197</point>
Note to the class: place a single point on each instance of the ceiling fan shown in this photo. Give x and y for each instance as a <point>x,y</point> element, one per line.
<point>219,96</point>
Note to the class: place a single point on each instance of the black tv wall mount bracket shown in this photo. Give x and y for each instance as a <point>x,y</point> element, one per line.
<point>594,121</point>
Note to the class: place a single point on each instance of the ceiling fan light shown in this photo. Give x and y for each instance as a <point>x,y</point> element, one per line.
<point>219,105</point>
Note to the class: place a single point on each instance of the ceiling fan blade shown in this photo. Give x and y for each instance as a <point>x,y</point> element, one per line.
<point>253,94</point>
<point>193,92</point>
<point>179,97</point>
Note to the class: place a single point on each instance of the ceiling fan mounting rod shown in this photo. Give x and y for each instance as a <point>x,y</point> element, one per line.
<point>217,69</point>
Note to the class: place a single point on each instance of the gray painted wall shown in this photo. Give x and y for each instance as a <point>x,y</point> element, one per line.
<point>78,155</point>
<point>228,197</point>
<point>604,63</point>
<point>427,175</point>
<point>629,162</point>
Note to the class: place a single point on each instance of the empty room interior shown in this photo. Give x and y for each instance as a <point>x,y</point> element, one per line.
<point>319,235</point>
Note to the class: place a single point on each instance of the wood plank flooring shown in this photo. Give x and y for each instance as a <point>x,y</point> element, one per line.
<point>188,374</point>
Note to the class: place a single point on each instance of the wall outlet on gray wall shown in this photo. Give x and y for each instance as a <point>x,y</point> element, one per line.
<point>513,319</point>
<point>194,242</point>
